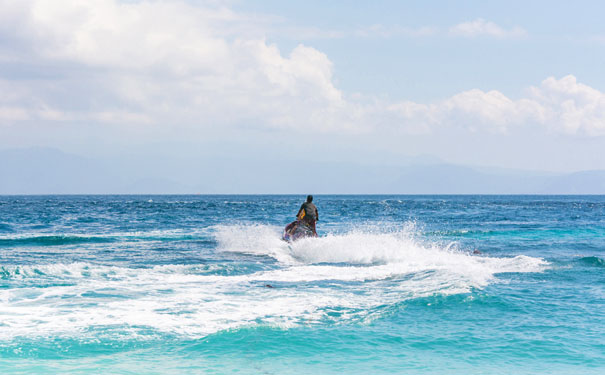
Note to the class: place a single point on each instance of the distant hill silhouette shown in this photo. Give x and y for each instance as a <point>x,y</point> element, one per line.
<point>50,171</point>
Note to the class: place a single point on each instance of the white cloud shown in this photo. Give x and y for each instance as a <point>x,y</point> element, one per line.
<point>175,64</point>
<point>172,61</point>
<point>562,106</point>
<point>570,106</point>
<point>481,27</point>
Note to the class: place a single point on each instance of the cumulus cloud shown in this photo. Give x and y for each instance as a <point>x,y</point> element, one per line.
<point>165,61</point>
<point>570,106</point>
<point>154,63</point>
<point>481,27</point>
<point>560,105</point>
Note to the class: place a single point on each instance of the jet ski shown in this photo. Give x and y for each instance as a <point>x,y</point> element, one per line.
<point>296,230</point>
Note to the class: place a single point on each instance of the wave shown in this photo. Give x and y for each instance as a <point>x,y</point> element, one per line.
<point>89,271</point>
<point>533,233</point>
<point>368,245</point>
<point>53,240</point>
<point>592,261</point>
<point>355,273</point>
<point>5,228</point>
<point>40,239</point>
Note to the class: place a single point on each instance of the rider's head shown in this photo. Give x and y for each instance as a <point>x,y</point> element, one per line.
<point>309,198</point>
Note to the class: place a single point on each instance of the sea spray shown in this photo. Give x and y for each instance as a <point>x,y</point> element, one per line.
<point>363,271</point>
<point>91,282</point>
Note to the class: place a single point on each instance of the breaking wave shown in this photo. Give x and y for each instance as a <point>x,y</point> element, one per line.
<point>354,273</point>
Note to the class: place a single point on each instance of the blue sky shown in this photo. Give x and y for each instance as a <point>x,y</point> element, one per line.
<point>503,84</point>
<point>560,38</point>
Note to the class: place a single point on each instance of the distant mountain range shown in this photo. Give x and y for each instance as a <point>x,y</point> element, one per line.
<point>50,171</point>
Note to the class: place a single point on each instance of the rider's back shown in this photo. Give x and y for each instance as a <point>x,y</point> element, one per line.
<point>310,210</point>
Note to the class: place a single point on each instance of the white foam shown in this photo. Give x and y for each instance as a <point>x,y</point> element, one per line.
<point>150,234</point>
<point>253,239</point>
<point>353,272</point>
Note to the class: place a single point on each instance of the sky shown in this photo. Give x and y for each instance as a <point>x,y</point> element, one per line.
<point>513,84</point>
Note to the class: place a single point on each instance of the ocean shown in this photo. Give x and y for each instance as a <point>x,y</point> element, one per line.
<point>203,284</point>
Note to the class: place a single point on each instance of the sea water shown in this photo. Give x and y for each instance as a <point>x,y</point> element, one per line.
<point>393,284</point>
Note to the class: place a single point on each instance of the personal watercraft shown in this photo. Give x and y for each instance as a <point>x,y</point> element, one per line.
<point>296,230</point>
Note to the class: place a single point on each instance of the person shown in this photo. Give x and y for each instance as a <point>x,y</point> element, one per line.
<point>308,213</point>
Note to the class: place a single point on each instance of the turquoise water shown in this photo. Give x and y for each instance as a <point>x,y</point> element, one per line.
<point>395,284</point>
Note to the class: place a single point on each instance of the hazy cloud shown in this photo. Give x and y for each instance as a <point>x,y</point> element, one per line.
<point>481,27</point>
<point>12,114</point>
<point>372,31</point>
<point>383,31</point>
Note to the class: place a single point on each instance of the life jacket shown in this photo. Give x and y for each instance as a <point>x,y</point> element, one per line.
<point>308,211</point>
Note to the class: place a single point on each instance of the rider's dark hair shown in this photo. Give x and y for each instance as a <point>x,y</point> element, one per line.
<point>309,198</point>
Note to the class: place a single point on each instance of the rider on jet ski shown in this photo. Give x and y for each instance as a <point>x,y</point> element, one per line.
<point>308,213</point>
<point>304,226</point>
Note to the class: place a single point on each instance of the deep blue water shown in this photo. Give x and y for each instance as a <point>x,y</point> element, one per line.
<point>203,284</point>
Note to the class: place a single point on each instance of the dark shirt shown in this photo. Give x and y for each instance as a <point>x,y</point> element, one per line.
<point>310,211</point>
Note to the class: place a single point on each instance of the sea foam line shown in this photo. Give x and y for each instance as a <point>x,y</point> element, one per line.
<point>354,273</point>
